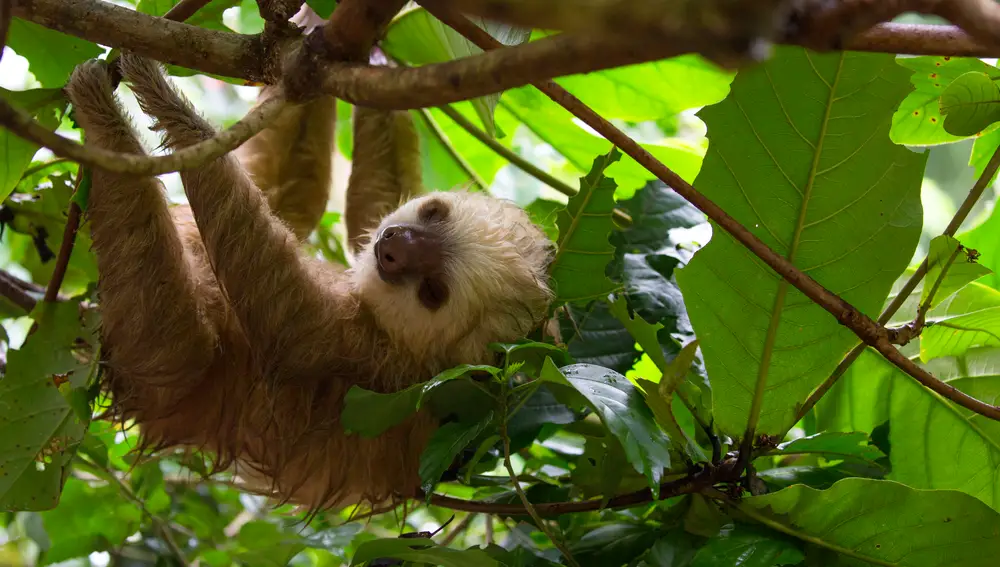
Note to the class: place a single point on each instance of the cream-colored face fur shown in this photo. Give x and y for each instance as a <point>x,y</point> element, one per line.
<point>495,272</point>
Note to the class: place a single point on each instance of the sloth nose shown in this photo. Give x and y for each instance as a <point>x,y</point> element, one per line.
<point>403,250</point>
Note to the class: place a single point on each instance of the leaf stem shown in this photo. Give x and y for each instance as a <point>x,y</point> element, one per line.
<point>517,485</point>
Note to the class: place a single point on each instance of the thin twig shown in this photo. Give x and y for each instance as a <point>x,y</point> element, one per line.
<point>911,284</point>
<point>457,530</point>
<point>22,124</point>
<point>43,166</point>
<point>450,148</point>
<point>520,491</point>
<point>66,246</point>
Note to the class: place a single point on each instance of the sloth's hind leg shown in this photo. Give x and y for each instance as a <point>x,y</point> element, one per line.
<point>150,314</point>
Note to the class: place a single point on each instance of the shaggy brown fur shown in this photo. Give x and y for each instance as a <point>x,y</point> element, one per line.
<point>221,335</point>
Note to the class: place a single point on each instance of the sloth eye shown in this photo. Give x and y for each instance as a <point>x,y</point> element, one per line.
<point>433,211</point>
<point>432,293</point>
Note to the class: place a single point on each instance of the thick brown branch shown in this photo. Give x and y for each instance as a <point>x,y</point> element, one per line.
<point>208,51</point>
<point>226,141</point>
<point>919,39</point>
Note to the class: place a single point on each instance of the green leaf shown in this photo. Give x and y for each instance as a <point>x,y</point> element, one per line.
<point>444,445</point>
<point>651,91</point>
<point>555,126</point>
<point>265,545</point>
<point>937,444</point>
<point>983,149</point>
<point>419,38</point>
<point>613,545</point>
<point>960,271</point>
<point>952,336</point>
<point>970,104</point>
<point>885,523</point>
<point>44,105</point>
<point>622,409</point>
<point>409,550</point>
<point>748,546</point>
<point>370,413</point>
<point>833,445</point>
<point>209,16</point>
<point>79,526</point>
<point>791,158</point>
<point>39,429</point>
<point>595,336</point>
<point>323,8</point>
<point>583,253</point>
<point>918,120</point>
<point>985,238</point>
<point>51,55</point>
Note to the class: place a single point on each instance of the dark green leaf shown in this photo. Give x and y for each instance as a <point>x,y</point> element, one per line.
<point>409,549</point>
<point>370,413</point>
<point>444,445</point>
<point>748,546</point>
<point>622,409</point>
<point>595,336</point>
<point>614,544</point>
<point>800,154</point>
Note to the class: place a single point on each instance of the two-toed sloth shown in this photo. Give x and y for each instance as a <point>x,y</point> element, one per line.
<point>220,334</point>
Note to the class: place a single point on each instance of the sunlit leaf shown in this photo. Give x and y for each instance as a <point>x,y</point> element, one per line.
<point>800,154</point>
<point>44,105</point>
<point>945,255</point>
<point>833,445</point>
<point>918,120</point>
<point>51,55</point>
<point>39,427</point>
<point>970,104</point>
<point>583,252</point>
<point>951,336</point>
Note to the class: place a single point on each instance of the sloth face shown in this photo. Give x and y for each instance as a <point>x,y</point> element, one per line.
<point>455,270</point>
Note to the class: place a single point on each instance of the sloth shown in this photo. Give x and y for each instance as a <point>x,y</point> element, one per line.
<point>221,335</point>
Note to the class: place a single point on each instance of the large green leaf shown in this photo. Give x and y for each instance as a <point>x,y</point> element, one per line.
<point>833,445</point>
<point>985,239</point>
<point>859,401</point>
<point>594,335</point>
<point>951,336</point>
<point>614,545</point>
<point>623,410</point>
<point>918,120</point>
<point>44,410</point>
<point>583,250</point>
<point>651,91</point>
<point>936,444</point>
<point>970,104</point>
<point>51,55</point>
<point>884,523</point>
<point>44,105</point>
<point>555,126</point>
<point>800,154</point>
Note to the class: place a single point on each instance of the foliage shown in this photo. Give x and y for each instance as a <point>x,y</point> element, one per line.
<point>673,340</point>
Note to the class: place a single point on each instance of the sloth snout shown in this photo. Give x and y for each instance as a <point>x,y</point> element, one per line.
<point>403,250</point>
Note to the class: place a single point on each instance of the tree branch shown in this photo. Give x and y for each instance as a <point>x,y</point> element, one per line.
<point>199,49</point>
<point>18,291</point>
<point>695,482</point>
<point>22,124</point>
<point>185,9</point>
<point>68,239</point>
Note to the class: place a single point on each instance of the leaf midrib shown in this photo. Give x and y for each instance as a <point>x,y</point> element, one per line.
<point>782,292</point>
